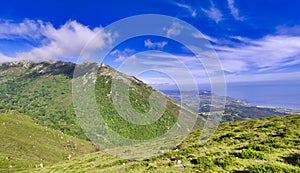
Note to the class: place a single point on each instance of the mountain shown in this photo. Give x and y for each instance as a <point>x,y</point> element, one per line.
<point>25,145</point>
<point>43,91</point>
<point>43,94</point>
<point>260,145</point>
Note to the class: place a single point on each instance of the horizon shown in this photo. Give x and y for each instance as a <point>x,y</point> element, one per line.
<point>150,86</point>
<point>252,44</point>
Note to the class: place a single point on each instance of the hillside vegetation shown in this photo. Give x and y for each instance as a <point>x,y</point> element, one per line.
<point>25,145</point>
<point>261,145</point>
<point>43,91</point>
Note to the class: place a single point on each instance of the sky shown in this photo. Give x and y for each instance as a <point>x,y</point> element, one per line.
<point>257,40</point>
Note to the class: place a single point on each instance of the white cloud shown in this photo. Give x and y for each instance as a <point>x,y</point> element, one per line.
<point>207,37</point>
<point>4,58</point>
<point>262,77</point>
<point>159,45</point>
<point>270,52</point>
<point>268,58</point>
<point>157,80</point>
<point>242,39</point>
<point>192,11</point>
<point>174,30</point>
<point>213,13</point>
<point>64,42</point>
<point>251,60</point>
<point>285,30</point>
<point>120,58</point>
<point>122,55</point>
<point>28,29</point>
<point>234,11</point>
<point>234,66</point>
<point>178,66</point>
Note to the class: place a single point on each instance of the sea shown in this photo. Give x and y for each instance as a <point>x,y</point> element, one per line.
<point>282,94</point>
<point>275,94</point>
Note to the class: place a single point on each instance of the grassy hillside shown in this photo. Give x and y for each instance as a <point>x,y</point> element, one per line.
<point>114,118</point>
<point>261,145</point>
<point>44,92</point>
<point>139,96</point>
<point>25,145</point>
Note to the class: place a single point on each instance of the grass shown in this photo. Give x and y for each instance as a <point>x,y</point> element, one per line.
<point>261,145</point>
<point>139,94</point>
<point>47,97</point>
<point>25,145</point>
<point>43,91</point>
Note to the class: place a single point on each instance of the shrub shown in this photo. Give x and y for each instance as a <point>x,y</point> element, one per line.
<point>250,154</point>
<point>293,159</point>
<point>246,137</point>
<point>270,168</point>
<point>226,162</point>
<point>259,147</point>
<point>228,135</point>
<point>203,162</point>
<point>273,142</point>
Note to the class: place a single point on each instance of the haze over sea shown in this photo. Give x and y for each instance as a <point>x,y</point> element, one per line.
<point>280,94</point>
<point>283,94</point>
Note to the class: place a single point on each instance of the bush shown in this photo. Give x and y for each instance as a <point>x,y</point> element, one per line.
<point>228,135</point>
<point>226,162</point>
<point>246,137</point>
<point>273,142</point>
<point>203,163</point>
<point>250,154</point>
<point>293,159</point>
<point>270,168</point>
<point>259,147</point>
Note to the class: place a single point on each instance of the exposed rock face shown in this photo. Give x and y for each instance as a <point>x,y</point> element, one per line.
<point>43,68</point>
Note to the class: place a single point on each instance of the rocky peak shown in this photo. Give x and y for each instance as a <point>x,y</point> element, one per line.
<point>23,63</point>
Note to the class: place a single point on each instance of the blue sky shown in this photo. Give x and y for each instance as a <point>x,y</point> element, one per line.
<point>257,40</point>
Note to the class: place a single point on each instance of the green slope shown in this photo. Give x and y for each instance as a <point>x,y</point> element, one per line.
<point>130,118</point>
<point>261,145</point>
<point>25,145</point>
<point>43,91</point>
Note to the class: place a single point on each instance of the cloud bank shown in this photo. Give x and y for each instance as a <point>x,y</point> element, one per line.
<point>64,42</point>
<point>273,57</point>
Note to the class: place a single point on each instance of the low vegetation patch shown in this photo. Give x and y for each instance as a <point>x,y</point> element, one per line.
<point>226,151</point>
<point>25,144</point>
